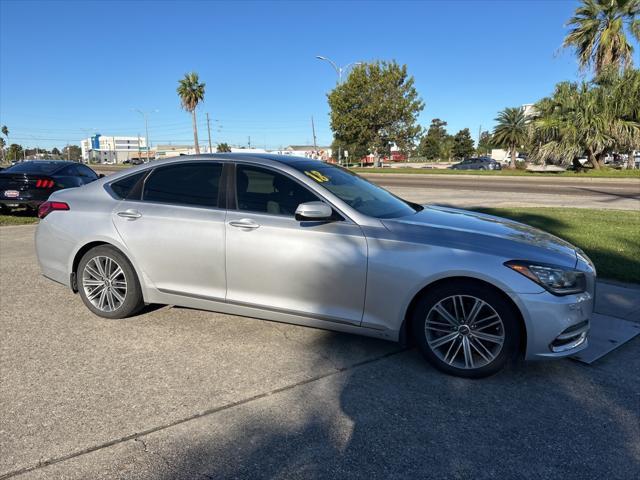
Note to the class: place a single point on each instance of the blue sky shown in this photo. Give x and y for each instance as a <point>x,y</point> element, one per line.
<point>68,69</point>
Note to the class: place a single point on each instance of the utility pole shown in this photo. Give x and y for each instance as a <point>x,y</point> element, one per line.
<point>313,130</point>
<point>209,129</point>
<point>146,127</point>
<point>68,152</point>
<point>479,135</point>
<point>249,141</point>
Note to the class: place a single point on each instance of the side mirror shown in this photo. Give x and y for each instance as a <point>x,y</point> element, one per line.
<point>314,211</point>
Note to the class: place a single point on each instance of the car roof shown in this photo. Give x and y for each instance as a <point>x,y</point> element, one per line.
<point>251,157</point>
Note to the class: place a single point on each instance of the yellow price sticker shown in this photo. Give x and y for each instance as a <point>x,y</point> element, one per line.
<point>317,176</point>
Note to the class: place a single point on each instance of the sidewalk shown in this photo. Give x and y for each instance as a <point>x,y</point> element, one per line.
<point>615,321</point>
<point>616,299</point>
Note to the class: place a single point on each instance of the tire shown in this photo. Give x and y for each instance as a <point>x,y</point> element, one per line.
<point>463,353</point>
<point>123,295</point>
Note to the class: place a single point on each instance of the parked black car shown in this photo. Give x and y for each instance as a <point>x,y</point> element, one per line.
<point>28,184</point>
<point>482,163</point>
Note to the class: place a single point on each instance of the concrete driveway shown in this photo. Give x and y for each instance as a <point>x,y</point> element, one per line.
<point>179,393</point>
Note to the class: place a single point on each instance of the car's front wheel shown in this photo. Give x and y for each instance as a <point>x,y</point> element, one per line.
<point>108,284</point>
<point>466,329</point>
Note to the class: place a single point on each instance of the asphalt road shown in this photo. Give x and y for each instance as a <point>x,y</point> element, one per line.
<point>177,393</point>
<point>487,191</point>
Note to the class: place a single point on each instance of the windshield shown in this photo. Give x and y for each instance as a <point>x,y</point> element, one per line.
<point>44,168</point>
<point>358,193</point>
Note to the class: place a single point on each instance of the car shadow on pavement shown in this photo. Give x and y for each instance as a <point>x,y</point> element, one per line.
<point>396,417</point>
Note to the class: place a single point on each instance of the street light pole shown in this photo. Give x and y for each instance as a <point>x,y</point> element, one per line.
<point>339,71</point>
<point>145,115</point>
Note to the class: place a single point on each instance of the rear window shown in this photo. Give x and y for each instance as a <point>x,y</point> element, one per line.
<point>123,188</point>
<point>43,168</point>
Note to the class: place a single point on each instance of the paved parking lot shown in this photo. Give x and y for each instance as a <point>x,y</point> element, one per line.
<point>179,393</point>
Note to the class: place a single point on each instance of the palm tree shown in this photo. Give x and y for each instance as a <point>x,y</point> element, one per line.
<point>511,131</point>
<point>191,93</point>
<point>2,145</point>
<point>5,132</point>
<point>598,33</point>
<point>589,118</point>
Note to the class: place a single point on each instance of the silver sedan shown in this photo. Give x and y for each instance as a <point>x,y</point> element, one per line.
<point>300,241</point>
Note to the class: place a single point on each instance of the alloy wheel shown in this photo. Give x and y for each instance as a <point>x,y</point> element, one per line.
<point>464,331</point>
<point>104,283</point>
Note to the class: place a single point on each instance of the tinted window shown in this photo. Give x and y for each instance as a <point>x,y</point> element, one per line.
<point>87,172</point>
<point>190,184</point>
<point>264,191</point>
<point>122,188</point>
<point>44,168</point>
<point>70,171</point>
<point>365,197</point>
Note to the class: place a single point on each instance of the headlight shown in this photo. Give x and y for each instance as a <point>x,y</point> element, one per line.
<point>555,279</point>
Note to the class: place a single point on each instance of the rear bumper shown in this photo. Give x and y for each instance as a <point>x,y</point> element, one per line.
<point>21,202</point>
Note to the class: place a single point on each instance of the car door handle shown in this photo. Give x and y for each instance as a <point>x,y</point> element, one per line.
<point>130,214</point>
<point>244,223</point>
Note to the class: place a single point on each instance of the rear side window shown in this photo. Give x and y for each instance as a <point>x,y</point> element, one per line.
<point>123,188</point>
<point>190,184</point>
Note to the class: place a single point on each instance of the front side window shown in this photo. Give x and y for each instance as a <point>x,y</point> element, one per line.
<point>361,195</point>
<point>70,171</point>
<point>189,184</point>
<point>265,191</point>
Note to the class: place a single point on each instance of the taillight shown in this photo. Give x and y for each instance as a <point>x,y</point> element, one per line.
<point>47,207</point>
<point>42,183</point>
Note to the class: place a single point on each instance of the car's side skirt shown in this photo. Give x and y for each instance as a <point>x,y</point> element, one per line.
<point>169,297</point>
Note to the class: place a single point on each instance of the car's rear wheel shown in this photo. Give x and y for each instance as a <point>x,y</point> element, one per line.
<point>108,284</point>
<point>466,329</point>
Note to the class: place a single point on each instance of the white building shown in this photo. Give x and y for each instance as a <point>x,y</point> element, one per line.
<point>112,149</point>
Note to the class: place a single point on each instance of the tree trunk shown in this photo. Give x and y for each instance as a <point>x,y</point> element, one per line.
<point>195,132</point>
<point>512,165</point>
<point>593,160</point>
<point>631,162</point>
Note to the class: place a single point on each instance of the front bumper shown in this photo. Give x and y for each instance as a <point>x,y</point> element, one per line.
<point>556,326</point>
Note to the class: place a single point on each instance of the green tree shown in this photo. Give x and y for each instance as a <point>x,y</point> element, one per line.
<point>485,143</point>
<point>592,118</point>
<point>447,148</point>
<point>463,144</point>
<point>432,143</point>
<point>377,106</point>
<point>191,93</point>
<point>511,132</point>
<point>223,147</point>
<point>598,33</point>
<point>72,152</point>
<point>55,152</point>
<point>14,152</point>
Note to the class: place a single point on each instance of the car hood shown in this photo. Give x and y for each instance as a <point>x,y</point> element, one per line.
<point>475,231</point>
